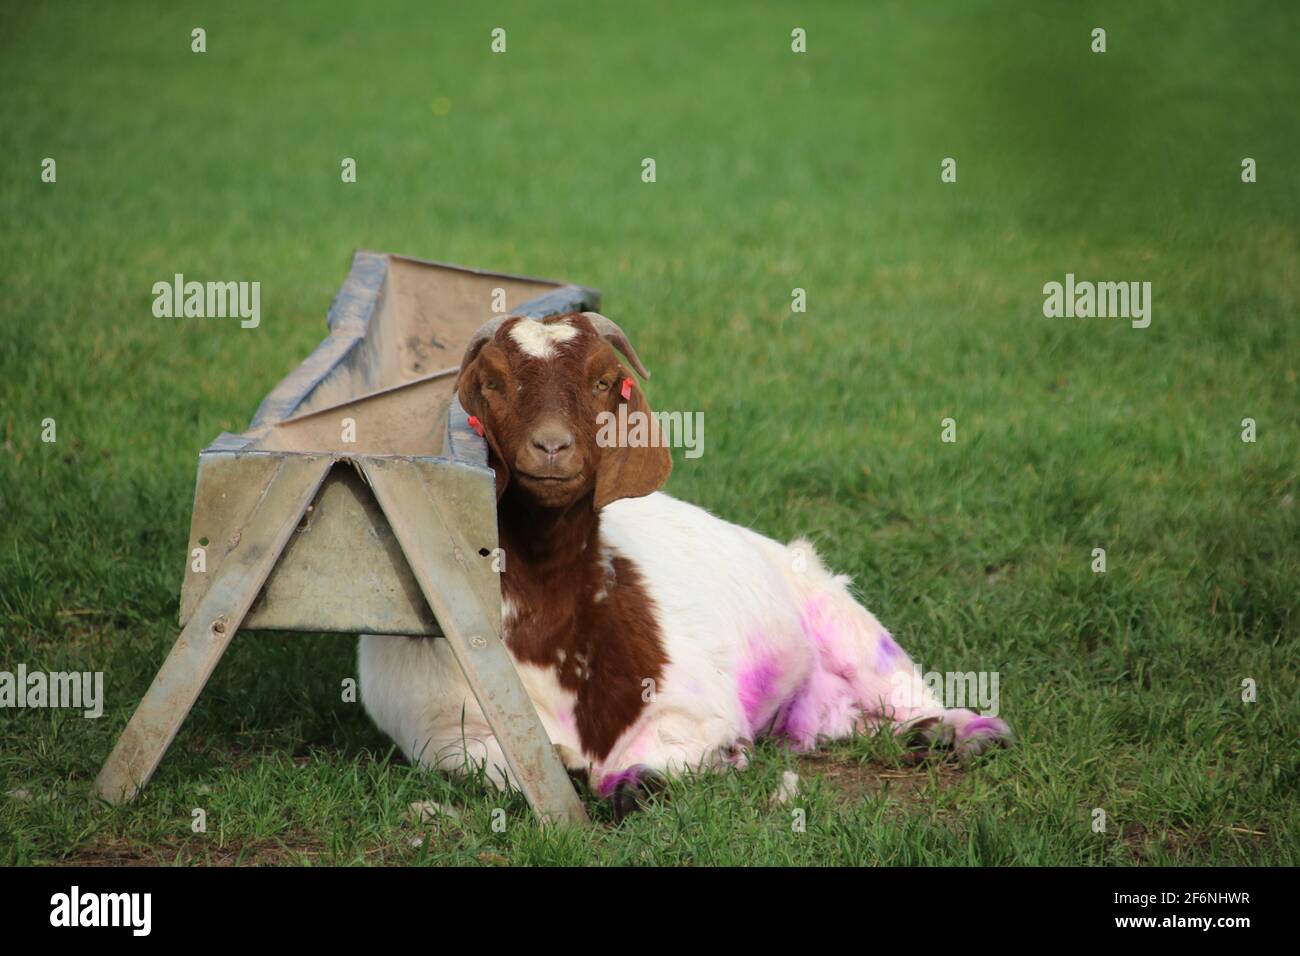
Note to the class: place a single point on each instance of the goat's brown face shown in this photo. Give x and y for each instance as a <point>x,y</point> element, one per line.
<point>539,389</point>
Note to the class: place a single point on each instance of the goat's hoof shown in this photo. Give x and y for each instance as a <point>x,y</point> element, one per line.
<point>918,738</point>
<point>634,790</point>
<point>978,734</point>
<point>963,733</point>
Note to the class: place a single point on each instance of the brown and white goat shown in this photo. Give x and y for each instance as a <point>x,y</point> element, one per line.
<point>653,637</point>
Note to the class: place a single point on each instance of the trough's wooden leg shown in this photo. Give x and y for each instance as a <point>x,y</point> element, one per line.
<point>468,607</point>
<point>209,631</point>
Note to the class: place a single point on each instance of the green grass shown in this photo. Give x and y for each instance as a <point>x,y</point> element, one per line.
<point>775,171</point>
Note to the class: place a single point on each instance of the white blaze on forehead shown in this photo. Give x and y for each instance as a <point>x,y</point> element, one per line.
<point>539,340</point>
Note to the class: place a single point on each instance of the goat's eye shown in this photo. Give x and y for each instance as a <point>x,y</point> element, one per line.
<point>492,385</point>
<point>601,386</point>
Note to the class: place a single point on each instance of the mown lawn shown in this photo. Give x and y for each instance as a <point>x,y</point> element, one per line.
<point>775,171</point>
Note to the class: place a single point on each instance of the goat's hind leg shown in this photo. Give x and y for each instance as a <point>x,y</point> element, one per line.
<point>905,699</point>
<point>862,679</point>
<point>887,687</point>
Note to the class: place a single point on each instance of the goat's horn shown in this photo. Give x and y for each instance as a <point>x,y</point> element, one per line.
<point>608,330</point>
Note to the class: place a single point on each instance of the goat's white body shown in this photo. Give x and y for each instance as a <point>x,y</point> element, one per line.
<point>759,638</point>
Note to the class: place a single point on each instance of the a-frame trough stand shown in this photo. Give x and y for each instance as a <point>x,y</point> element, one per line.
<point>359,501</point>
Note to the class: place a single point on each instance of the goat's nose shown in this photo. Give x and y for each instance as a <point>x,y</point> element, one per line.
<point>552,440</point>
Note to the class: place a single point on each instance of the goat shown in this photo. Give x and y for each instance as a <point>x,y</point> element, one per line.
<point>653,637</point>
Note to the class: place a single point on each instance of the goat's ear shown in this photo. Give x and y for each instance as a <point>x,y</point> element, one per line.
<point>632,472</point>
<point>470,393</point>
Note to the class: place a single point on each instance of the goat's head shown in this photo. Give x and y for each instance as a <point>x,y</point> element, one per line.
<point>539,388</point>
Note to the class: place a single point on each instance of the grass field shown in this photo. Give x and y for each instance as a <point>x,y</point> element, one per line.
<point>775,170</point>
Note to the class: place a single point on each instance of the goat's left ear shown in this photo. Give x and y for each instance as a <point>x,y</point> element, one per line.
<point>467,390</point>
<point>632,472</point>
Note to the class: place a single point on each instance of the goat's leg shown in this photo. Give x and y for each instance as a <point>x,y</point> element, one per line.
<point>912,708</point>
<point>863,680</point>
<point>470,756</point>
<point>631,789</point>
<point>667,743</point>
<point>414,691</point>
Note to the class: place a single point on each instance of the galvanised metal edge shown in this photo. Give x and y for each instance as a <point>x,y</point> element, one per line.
<point>348,317</point>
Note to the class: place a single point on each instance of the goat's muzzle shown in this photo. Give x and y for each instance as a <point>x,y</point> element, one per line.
<point>548,461</point>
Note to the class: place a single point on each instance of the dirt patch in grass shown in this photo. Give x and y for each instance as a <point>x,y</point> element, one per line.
<point>120,852</point>
<point>853,781</point>
<point>1151,844</point>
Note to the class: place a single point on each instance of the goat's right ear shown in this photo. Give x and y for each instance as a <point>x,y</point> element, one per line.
<point>469,391</point>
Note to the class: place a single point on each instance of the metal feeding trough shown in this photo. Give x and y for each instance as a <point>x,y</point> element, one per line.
<point>359,500</point>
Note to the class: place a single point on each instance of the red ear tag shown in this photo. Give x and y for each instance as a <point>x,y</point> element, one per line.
<point>626,390</point>
<point>477,425</point>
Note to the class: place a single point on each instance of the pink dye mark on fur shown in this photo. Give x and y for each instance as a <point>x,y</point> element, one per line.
<point>991,726</point>
<point>797,720</point>
<point>827,702</point>
<point>639,747</point>
<point>830,635</point>
<point>608,784</point>
<point>815,626</point>
<point>758,685</point>
<point>889,656</point>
